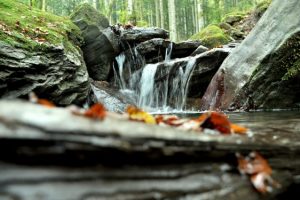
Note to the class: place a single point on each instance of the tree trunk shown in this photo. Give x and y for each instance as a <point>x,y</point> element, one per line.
<point>157,14</point>
<point>43,5</point>
<point>130,7</point>
<point>172,20</point>
<point>161,10</point>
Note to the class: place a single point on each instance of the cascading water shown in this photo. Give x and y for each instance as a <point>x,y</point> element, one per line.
<point>165,94</point>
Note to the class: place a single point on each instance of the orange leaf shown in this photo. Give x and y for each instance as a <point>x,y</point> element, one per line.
<point>140,115</point>
<point>238,129</point>
<point>259,170</point>
<point>216,121</point>
<point>46,103</point>
<point>97,111</point>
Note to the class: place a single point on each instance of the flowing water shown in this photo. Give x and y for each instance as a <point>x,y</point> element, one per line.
<point>156,87</point>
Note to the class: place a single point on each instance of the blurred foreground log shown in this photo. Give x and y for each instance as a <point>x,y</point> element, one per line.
<point>55,155</point>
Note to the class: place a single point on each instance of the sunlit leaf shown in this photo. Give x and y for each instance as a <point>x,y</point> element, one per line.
<point>137,114</point>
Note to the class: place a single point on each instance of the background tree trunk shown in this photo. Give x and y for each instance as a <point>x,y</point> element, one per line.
<point>172,20</point>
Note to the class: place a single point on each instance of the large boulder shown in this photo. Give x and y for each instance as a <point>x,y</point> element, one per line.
<point>45,59</point>
<point>263,72</point>
<point>101,44</point>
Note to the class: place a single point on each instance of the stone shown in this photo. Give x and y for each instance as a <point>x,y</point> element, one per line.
<point>264,66</point>
<point>52,73</point>
<point>113,99</point>
<point>55,154</point>
<point>141,34</point>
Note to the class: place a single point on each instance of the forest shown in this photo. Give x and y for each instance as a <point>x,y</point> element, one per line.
<point>149,99</point>
<point>183,18</point>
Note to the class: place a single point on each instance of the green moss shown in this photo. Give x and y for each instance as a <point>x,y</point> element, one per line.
<point>263,6</point>
<point>233,17</point>
<point>212,36</point>
<point>293,71</point>
<point>23,27</point>
<point>90,15</point>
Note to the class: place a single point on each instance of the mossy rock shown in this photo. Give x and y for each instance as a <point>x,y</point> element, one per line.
<point>232,18</point>
<point>32,29</point>
<point>90,15</point>
<point>263,6</point>
<point>212,36</point>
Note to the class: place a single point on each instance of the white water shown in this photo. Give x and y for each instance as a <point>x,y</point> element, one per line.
<point>166,95</point>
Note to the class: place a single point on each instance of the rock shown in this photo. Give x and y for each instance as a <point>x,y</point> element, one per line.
<point>212,36</point>
<point>185,48</point>
<point>199,50</point>
<point>154,50</point>
<point>49,64</point>
<point>52,73</point>
<point>208,64</point>
<point>112,99</point>
<point>99,50</point>
<point>101,44</point>
<point>265,65</point>
<point>120,159</point>
<point>87,13</point>
<point>141,34</point>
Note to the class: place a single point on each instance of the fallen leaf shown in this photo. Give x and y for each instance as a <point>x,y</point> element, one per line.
<point>97,111</point>
<point>34,99</point>
<point>137,114</point>
<point>216,121</point>
<point>238,129</point>
<point>259,171</point>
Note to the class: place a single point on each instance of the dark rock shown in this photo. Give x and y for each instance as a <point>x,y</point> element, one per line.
<point>265,65</point>
<point>185,48</point>
<point>112,99</point>
<point>53,72</point>
<point>99,49</point>
<point>139,34</point>
<point>101,44</point>
<point>199,50</point>
<point>208,64</point>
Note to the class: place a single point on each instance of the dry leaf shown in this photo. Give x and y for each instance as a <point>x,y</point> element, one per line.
<point>238,129</point>
<point>97,111</point>
<point>34,99</point>
<point>216,121</point>
<point>259,171</point>
<point>137,114</point>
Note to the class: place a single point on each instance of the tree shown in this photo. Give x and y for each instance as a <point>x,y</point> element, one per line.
<point>172,20</point>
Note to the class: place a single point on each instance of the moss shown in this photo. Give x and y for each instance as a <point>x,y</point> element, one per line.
<point>90,15</point>
<point>263,6</point>
<point>23,27</point>
<point>234,17</point>
<point>212,36</point>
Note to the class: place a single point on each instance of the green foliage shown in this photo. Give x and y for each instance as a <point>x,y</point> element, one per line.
<point>263,5</point>
<point>211,36</point>
<point>27,26</point>
<point>293,71</point>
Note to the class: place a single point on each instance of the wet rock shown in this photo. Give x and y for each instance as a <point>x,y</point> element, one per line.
<point>141,34</point>
<point>200,49</point>
<point>53,72</point>
<point>113,99</point>
<point>265,66</point>
<point>185,48</point>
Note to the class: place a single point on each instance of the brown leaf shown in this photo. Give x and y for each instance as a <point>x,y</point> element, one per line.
<point>259,171</point>
<point>97,111</point>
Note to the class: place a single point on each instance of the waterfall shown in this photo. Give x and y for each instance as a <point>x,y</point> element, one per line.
<point>147,97</point>
<point>156,87</point>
